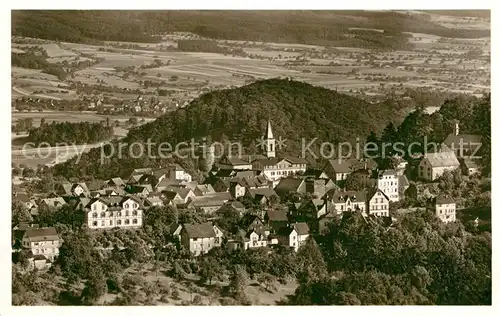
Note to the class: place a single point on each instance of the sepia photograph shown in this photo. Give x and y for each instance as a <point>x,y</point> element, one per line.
<point>250,157</point>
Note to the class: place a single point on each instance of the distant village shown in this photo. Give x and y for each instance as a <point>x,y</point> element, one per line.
<point>320,197</point>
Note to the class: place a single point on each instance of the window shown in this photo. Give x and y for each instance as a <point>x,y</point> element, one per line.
<point>134,221</point>
<point>126,205</point>
<point>294,237</point>
<point>195,239</point>
<point>103,224</point>
<point>94,215</point>
<point>127,222</point>
<point>103,214</point>
<point>103,207</point>
<point>134,213</point>
<point>110,223</point>
<point>119,213</point>
<point>118,222</point>
<point>36,244</point>
<point>126,213</point>
<point>135,205</point>
<point>94,223</point>
<point>94,207</point>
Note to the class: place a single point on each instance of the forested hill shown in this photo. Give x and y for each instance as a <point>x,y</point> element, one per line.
<point>305,27</point>
<point>296,109</point>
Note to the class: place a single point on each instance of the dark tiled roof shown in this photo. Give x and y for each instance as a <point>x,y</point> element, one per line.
<point>301,228</point>
<point>277,216</point>
<point>288,185</point>
<point>444,199</point>
<point>41,234</point>
<point>204,230</point>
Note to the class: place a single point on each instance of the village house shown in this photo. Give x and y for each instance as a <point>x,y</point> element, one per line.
<point>203,189</point>
<point>243,182</point>
<point>234,163</point>
<point>347,201</point>
<point>210,202</point>
<point>54,202</point>
<point>42,241</point>
<point>445,208</point>
<point>139,190</point>
<point>231,206</point>
<point>179,195</point>
<point>75,189</point>
<point>434,164</point>
<point>463,145</point>
<point>290,185</point>
<point>200,238</point>
<point>339,169</point>
<point>319,187</point>
<point>469,166</point>
<point>276,219</point>
<point>116,182</point>
<point>293,236</point>
<point>263,196</point>
<point>378,203</point>
<point>388,183</point>
<point>116,211</point>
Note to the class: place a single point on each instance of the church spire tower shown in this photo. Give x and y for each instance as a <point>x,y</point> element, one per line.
<point>270,148</point>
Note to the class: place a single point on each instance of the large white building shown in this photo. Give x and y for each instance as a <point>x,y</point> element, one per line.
<point>388,183</point>
<point>114,211</point>
<point>378,204</point>
<point>433,165</point>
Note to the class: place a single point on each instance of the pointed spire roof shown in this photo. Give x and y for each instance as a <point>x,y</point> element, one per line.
<point>269,131</point>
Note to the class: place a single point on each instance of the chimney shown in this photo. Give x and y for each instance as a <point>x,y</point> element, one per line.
<point>457,128</point>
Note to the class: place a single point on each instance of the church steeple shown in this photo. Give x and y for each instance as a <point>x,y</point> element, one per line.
<point>270,149</point>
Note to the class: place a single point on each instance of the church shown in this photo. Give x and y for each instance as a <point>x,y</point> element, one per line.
<point>275,167</point>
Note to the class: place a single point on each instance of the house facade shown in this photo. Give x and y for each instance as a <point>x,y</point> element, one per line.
<point>433,165</point>
<point>42,241</point>
<point>388,183</point>
<point>446,209</point>
<point>123,212</point>
<point>200,238</point>
<point>378,204</point>
<point>347,201</point>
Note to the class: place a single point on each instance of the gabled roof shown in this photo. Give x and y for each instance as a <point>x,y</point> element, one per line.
<point>467,140</point>
<point>289,185</point>
<point>41,234</point>
<point>233,161</point>
<point>205,188</point>
<point>470,163</point>
<point>248,219</point>
<point>276,216</point>
<point>340,196</point>
<point>214,199</point>
<point>403,181</point>
<point>183,192</point>
<point>54,202</point>
<point>442,159</point>
<point>388,172</point>
<point>204,230</point>
<point>295,160</point>
<point>350,165</point>
<point>267,192</point>
<point>371,194</point>
<point>116,182</point>
<point>166,183</point>
<point>301,228</point>
<point>444,199</point>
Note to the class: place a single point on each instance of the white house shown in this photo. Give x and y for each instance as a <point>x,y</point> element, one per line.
<point>347,201</point>
<point>110,212</point>
<point>294,235</point>
<point>200,238</point>
<point>378,204</point>
<point>446,209</point>
<point>433,165</point>
<point>42,241</point>
<point>388,183</point>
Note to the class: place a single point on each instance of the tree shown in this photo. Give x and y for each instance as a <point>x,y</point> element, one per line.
<point>95,286</point>
<point>354,181</point>
<point>20,214</point>
<point>238,281</point>
<point>311,262</point>
<point>210,268</point>
<point>268,280</point>
<point>28,172</point>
